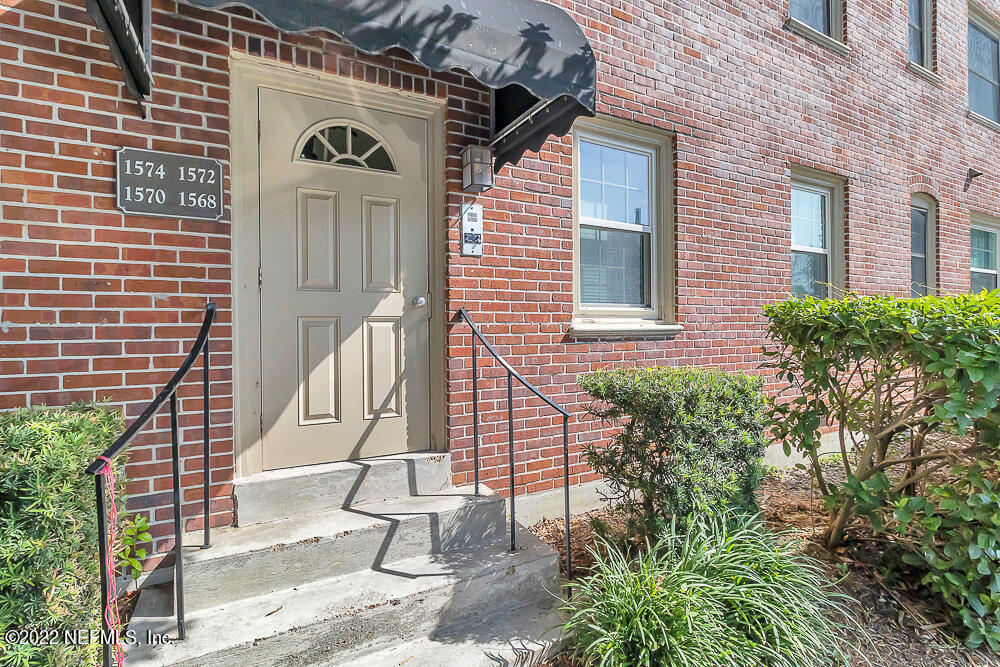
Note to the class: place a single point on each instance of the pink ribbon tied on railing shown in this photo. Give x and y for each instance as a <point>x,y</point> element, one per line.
<point>111,617</point>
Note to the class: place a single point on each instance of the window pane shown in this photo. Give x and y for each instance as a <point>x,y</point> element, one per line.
<point>814,13</point>
<point>614,184</point>
<point>336,136</point>
<point>918,252</point>
<point>638,184</point>
<point>361,142</point>
<point>916,21</point>
<point>983,56</point>
<point>918,276</point>
<point>917,13</point>
<point>638,207</point>
<point>380,160</point>
<point>984,250</point>
<point>590,161</point>
<point>984,73</point>
<point>615,204</point>
<point>808,218</point>
<point>916,45</point>
<point>591,200</point>
<point>638,171</point>
<point>918,231</point>
<point>614,165</point>
<point>614,267</point>
<point>983,281</point>
<point>809,273</point>
<point>983,97</point>
<point>315,150</point>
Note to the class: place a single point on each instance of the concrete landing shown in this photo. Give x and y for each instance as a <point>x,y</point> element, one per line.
<point>290,492</point>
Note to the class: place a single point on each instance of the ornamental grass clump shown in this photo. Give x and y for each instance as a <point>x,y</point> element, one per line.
<point>688,439</point>
<point>727,592</point>
<point>49,575</point>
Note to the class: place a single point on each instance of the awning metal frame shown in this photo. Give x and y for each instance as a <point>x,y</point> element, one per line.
<point>128,34</point>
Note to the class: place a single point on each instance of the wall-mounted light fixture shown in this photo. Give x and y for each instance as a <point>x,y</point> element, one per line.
<point>477,168</point>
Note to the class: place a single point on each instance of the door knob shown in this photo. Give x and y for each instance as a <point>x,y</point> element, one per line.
<point>419,301</point>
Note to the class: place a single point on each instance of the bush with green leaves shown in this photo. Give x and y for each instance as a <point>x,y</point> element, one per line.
<point>689,438</point>
<point>49,574</point>
<point>726,592</point>
<point>952,532</point>
<point>913,387</point>
<point>889,372</point>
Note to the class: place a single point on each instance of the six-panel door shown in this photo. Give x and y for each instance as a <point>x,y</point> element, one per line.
<point>344,343</point>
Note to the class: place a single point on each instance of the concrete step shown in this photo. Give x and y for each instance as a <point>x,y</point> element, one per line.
<point>525,637</point>
<point>289,492</point>
<point>336,620</point>
<point>268,557</point>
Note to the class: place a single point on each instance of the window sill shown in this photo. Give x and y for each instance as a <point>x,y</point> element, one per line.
<point>924,73</point>
<point>815,35</point>
<point>983,120</point>
<point>622,328</point>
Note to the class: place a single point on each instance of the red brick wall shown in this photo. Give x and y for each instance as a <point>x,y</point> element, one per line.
<point>97,305</point>
<point>747,99</point>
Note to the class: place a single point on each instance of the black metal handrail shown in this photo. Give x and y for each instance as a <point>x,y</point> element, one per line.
<point>511,376</point>
<point>98,470</point>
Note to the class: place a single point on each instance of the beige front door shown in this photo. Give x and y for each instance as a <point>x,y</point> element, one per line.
<point>343,281</point>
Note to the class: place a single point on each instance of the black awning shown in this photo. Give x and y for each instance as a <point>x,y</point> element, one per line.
<point>505,44</point>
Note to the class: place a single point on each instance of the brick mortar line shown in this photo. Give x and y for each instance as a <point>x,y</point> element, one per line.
<point>95,227</point>
<point>89,95</point>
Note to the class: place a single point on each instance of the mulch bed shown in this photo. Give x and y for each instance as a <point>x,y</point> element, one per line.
<point>583,530</point>
<point>905,623</point>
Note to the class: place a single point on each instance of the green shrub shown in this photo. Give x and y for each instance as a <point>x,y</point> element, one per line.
<point>886,369</point>
<point>953,533</point>
<point>901,377</point>
<point>724,593</point>
<point>689,438</point>
<point>49,574</point>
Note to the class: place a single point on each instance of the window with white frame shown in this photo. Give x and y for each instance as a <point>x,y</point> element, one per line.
<point>984,68</point>
<point>620,234</point>
<point>984,256</point>
<point>923,255</point>
<point>812,265</point>
<point>615,230</point>
<point>920,20</point>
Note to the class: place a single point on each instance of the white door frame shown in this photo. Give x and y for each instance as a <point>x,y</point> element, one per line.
<point>247,74</point>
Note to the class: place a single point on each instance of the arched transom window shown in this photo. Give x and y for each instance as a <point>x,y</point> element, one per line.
<point>345,143</point>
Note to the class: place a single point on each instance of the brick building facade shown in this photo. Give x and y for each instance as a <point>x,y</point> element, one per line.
<point>97,305</point>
